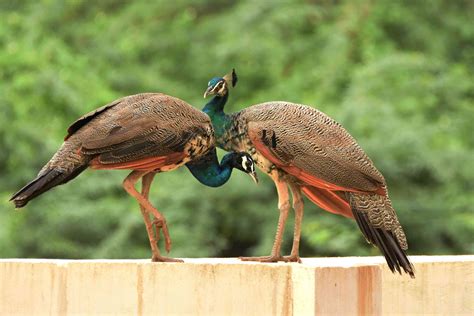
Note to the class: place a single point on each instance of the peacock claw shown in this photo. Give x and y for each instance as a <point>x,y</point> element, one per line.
<point>292,258</point>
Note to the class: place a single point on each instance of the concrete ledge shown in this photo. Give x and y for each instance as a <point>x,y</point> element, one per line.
<point>444,285</point>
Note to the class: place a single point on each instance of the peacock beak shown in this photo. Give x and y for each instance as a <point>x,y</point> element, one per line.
<point>208,91</point>
<point>254,177</point>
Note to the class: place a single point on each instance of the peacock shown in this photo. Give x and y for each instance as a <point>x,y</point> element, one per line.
<point>305,151</point>
<point>147,133</point>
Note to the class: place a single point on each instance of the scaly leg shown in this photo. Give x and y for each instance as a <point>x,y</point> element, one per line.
<point>147,179</point>
<point>146,184</point>
<point>284,207</point>
<point>298,206</point>
<point>129,186</point>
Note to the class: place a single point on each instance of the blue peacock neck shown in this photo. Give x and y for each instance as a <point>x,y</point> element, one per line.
<point>215,109</point>
<point>209,172</point>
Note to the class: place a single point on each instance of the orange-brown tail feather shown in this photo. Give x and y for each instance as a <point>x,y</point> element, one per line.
<point>328,200</point>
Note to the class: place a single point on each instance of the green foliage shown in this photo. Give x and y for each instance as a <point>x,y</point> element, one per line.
<point>397,75</point>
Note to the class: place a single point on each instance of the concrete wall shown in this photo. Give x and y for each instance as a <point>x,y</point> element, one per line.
<point>319,286</point>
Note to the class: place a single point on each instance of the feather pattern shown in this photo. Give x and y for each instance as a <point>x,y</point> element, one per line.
<point>311,141</point>
<point>140,127</point>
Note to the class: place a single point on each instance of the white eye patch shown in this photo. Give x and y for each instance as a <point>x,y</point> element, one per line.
<point>247,164</point>
<point>244,162</point>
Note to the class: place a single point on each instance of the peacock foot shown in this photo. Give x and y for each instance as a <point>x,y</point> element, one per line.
<point>292,258</point>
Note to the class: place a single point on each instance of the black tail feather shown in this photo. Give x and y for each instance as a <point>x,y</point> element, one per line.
<point>44,182</point>
<point>386,242</point>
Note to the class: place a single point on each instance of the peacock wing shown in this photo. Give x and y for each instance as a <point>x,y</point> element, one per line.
<point>144,128</point>
<point>311,146</point>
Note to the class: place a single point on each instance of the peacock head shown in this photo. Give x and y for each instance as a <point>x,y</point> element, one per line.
<point>244,162</point>
<point>220,85</point>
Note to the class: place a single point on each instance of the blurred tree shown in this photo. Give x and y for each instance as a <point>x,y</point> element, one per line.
<point>397,75</point>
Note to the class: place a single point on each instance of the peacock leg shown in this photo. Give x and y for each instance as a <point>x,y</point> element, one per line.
<point>129,186</point>
<point>146,184</point>
<point>147,179</point>
<point>284,207</point>
<point>298,206</point>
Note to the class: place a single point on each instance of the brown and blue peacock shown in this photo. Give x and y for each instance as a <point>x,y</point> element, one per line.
<point>305,151</point>
<point>147,133</point>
